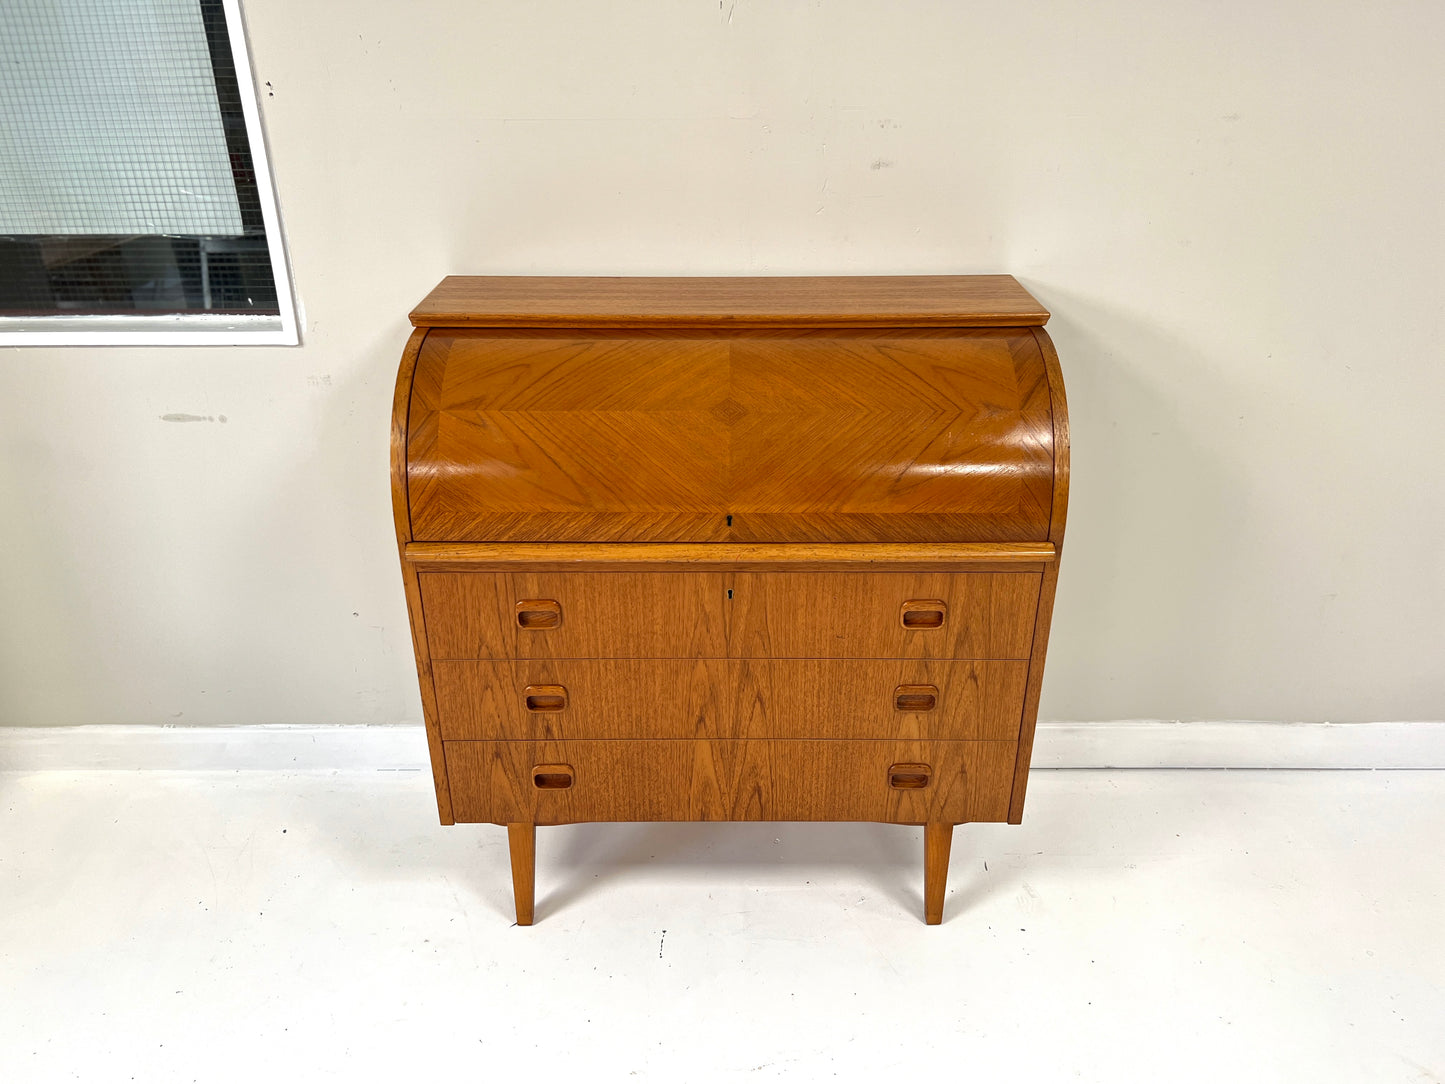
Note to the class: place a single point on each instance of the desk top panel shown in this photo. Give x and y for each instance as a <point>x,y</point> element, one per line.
<point>847,301</point>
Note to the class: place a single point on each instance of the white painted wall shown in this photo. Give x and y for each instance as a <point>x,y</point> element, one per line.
<point>1234,211</point>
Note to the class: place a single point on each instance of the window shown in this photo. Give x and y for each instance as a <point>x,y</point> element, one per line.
<point>136,204</point>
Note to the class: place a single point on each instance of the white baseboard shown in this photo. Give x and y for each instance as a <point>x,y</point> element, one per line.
<point>1143,744</point>
<point>215,748</point>
<point>1159,744</point>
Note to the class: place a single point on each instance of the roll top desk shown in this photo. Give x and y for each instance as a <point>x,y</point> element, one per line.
<point>730,549</point>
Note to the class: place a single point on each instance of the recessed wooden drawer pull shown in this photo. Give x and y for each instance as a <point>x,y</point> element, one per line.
<point>909,776</point>
<point>924,613</point>
<point>546,697</point>
<point>552,776</point>
<point>539,613</point>
<point>915,697</point>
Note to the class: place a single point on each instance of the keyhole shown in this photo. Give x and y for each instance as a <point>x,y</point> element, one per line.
<point>730,592</point>
<point>730,521</point>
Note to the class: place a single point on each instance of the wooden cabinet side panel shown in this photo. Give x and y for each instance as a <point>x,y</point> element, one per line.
<point>1059,409</point>
<point>730,780</point>
<point>1059,413</point>
<point>1029,719</point>
<point>401,519</point>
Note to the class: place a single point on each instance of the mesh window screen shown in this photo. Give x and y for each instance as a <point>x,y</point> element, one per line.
<point>126,177</point>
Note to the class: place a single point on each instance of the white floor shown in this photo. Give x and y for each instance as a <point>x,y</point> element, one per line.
<point>1141,925</point>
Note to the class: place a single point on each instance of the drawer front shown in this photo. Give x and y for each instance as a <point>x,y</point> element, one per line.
<point>485,700</point>
<point>575,615</point>
<point>883,615</point>
<point>563,782</point>
<point>689,615</point>
<point>878,698</point>
<point>582,698</point>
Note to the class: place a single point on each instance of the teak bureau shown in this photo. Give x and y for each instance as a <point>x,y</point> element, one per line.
<point>730,549</point>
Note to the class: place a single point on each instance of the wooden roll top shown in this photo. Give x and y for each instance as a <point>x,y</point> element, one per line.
<point>789,421</point>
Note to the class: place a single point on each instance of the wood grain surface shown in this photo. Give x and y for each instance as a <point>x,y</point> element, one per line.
<point>937,842</point>
<point>1059,408</point>
<point>855,698</point>
<point>606,698</point>
<point>736,557</point>
<point>730,549</point>
<point>1059,414</point>
<point>522,845</point>
<point>823,301</point>
<point>847,615</point>
<point>401,522</point>
<point>905,436</point>
<point>604,615</point>
<point>731,614</point>
<point>730,780</point>
<point>483,700</point>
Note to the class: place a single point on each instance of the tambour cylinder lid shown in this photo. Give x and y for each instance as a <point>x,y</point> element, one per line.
<point>738,434</point>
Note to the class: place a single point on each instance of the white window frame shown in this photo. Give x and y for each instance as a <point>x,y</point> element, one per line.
<point>191,329</point>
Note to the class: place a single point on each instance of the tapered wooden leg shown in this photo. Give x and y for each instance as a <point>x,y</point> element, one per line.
<point>522,839</point>
<point>937,839</point>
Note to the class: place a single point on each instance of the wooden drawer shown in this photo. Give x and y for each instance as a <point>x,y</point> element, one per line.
<point>483,700</point>
<point>475,615</point>
<point>861,615</point>
<point>839,615</point>
<point>612,698</point>
<point>563,782</point>
<point>878,698</point>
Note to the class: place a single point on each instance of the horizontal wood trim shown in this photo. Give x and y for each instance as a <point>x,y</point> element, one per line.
<point>751,557</point>
<point>696,301</point>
